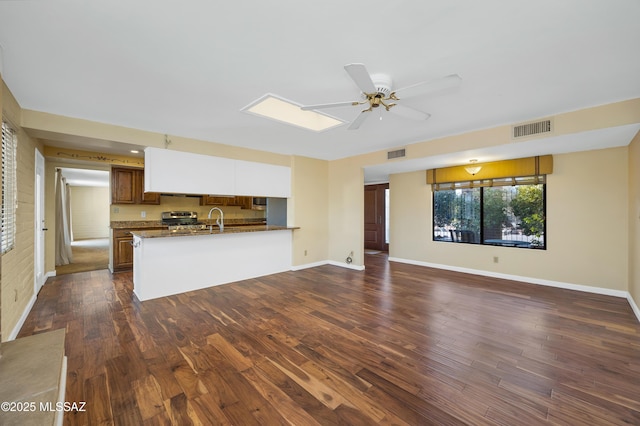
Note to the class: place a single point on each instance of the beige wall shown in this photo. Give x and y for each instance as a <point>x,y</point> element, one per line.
<point>346,196</point>
<point>409,216</point>
<point>634,219</point>
<point>308,208</point>
<point>346,211</point>
<point>18,264</point>
<point>586,226</point>
<point>89,212</point>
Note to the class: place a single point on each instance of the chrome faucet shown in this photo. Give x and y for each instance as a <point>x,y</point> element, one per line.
<point>219,220</point>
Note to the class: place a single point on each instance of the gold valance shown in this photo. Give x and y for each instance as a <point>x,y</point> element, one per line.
<point>520,167</point>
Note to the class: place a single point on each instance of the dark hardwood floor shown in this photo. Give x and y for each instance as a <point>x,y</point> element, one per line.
<point>396,344</point>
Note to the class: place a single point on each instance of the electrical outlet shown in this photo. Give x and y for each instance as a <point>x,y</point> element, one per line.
<point>143,214</point>
<point>495,259</point>
<point>116,209</point>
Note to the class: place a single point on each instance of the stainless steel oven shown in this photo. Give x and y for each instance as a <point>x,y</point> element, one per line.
<point>179,220</point>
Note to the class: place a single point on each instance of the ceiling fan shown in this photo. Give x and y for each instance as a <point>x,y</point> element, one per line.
<point>376,93</point>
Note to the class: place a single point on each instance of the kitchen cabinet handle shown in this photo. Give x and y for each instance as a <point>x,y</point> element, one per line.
<point>45,229</point>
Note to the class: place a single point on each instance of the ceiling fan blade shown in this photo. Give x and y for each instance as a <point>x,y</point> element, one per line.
<point>431,86</point>
<point>408,112</point>
<point>331,105</point>
<point>360,75</point>
<point>355,124</point>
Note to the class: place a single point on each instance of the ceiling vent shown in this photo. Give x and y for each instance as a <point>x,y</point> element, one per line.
<point>398,153</point>
<point>543,127</point>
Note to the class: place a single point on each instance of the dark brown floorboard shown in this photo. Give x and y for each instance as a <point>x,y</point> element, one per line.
<point>395,344</point>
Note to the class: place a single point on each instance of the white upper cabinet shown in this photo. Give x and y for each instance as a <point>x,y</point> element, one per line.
<point>264,180</point>
<point>169,171</point>
<point>178,172</point>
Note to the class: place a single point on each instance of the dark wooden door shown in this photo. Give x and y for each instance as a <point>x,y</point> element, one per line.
<point>375,217</point>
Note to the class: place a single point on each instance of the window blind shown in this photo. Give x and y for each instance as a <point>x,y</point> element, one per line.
<point>523,180</point>
<point>9,195</point>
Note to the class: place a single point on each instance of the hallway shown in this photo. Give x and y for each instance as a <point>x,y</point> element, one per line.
<point>88,255</point>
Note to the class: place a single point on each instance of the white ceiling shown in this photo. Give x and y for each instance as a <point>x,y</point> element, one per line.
<point>188,67</point>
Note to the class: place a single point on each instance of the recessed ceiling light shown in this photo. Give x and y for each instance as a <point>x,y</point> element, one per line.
<point>283,110</point>
<point>135,151</point>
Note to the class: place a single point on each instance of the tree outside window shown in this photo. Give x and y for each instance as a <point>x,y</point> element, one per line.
<point>511,215</point>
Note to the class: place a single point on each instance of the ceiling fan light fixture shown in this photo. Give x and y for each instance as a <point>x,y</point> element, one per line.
<point>376,90</point>
<point>285,111</point>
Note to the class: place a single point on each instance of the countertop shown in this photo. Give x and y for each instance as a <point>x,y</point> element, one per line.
<point>228,229</point>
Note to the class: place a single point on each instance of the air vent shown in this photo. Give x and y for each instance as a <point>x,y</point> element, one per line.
<point>531,129</point>
<point>398,153</point>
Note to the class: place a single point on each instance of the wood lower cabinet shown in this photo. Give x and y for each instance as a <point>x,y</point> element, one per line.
<point>123,248</point>
<point>127,187</point>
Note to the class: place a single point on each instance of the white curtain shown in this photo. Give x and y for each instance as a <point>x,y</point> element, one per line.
<point>63,221</point>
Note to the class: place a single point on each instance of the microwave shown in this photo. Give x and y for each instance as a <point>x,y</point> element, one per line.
<point>259,203</point>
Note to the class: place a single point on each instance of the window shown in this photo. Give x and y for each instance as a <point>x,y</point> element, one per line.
<point>512,215</point>
<point>8,222</point>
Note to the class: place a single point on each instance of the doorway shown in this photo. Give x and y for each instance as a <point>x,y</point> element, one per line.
<point>88,199</point>
<point>376,217</point>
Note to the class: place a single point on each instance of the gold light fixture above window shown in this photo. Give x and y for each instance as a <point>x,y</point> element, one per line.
<point>519,169</point>
<point>473,168</point>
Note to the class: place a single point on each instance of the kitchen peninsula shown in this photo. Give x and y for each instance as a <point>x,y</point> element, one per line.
<point>167,262</point>
<point>171,262</point>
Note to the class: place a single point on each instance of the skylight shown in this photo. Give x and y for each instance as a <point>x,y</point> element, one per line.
<point>288,112</point>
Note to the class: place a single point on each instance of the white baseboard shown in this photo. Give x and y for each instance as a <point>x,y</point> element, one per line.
<point>309,265</point>
<point>23,318</point>
<point>634,307</point>
<point>27,309</point>
<point>346,265</point>
<point>328,262</point>
<point>529,280</point>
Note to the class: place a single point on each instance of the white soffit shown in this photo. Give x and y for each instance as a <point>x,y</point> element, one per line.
<point>584,141</point>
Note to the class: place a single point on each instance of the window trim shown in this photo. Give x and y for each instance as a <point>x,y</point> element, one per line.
<point>481,185</point>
